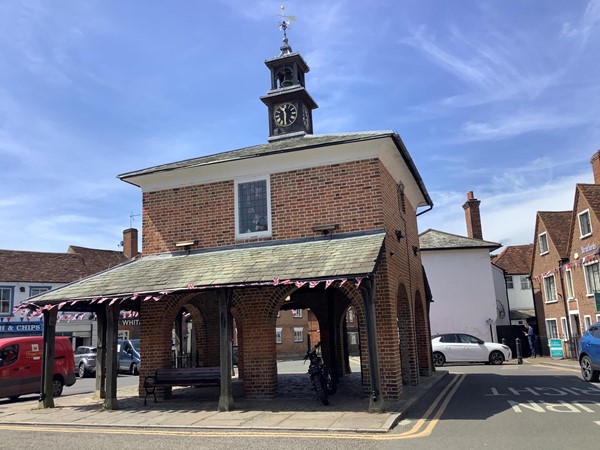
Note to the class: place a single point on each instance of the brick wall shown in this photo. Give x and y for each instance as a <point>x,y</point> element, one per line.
<point>358,195</point>
<point>347,194</point>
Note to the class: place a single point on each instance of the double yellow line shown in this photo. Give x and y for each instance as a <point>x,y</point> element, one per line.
<point>422,428</point>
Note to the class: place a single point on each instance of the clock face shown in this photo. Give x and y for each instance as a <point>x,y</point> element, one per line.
<point>305,118</point>
<point>285,114</point>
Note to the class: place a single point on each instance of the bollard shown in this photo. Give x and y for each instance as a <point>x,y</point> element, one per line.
<point>519,354</point>
<point>503,341</point>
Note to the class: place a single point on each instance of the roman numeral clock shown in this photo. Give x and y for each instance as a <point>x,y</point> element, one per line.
<point>290,106</point>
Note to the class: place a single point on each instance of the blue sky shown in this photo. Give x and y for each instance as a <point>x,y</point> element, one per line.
<point>497,97</point>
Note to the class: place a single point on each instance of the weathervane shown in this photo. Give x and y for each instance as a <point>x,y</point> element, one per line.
<point>285,21</point>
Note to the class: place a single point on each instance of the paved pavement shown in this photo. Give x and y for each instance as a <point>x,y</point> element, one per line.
<point>295,408</point>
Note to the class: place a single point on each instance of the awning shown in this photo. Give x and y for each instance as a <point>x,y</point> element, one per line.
<point>310,261</point>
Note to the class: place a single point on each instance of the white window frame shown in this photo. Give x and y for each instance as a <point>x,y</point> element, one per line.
<point>278,336</point>
<point>565,328</point>
<point>510,283</point>
<point>597,317</point>
<point>589,223</point>
<point>297,313</point>
<point>298,334</point>
<point>253,234</point>
<point>587,320</point>
<point>547,298</point>
<point>552,328</point>
<point>569,278</point>
<point>525,278</point>
<point>39,289</point>
<point>589,288</point>
<point>543,237</point>
<point>10,301</point>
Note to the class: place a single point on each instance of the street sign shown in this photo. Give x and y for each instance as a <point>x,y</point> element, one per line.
<point>556,348</point>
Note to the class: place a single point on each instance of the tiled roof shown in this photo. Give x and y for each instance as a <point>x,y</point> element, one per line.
<point>349,255</point>
<point>591,192</point>
<point>285,146</point>
<point>515,259</point>
<point>98,260</point>
<point>279,146</point>
<point>558,228</point>
<point>24,266</point>
<point>439,240</point>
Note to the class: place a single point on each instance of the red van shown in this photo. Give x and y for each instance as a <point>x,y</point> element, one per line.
<point>21,365</point>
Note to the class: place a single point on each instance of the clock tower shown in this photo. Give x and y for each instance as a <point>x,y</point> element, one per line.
<point>290,106</point>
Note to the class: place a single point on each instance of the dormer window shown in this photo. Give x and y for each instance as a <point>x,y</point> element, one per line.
<point>585,226</point>
<point>252,208</point>
<point>543,243</point>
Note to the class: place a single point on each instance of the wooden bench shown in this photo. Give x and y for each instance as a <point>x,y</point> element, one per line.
<point>190,376</point>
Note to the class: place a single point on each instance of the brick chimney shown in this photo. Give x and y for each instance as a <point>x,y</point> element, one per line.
<point>596,167</point>
<point>130,243</point>
<point>473,217</point>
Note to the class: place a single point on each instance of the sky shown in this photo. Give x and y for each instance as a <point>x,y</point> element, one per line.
<point>498,97</point>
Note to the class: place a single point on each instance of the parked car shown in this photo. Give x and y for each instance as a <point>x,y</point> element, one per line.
<point>460,347</point>
<point>589,353</point>
<point>21,366</point>
<point>85,360</point>
<point>129,356</point>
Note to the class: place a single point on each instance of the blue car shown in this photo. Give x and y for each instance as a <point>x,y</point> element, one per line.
<point>589,353</point>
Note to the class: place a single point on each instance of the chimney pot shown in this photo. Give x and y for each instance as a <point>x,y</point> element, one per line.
<point>130,243</point>
<point>473,217</point>
<point>596,167</point>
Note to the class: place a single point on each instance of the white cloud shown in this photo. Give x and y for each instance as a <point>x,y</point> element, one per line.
<point>587,24</point>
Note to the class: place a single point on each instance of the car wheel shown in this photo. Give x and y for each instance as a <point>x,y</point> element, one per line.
<point>496,358</point>
<point>134,370</point>
<point>57,387</point>
<point>438,359</point>
<point>587,372</point>
<point>81,371</point>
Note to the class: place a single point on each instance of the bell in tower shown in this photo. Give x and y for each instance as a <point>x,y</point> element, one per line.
<point>289,104</point>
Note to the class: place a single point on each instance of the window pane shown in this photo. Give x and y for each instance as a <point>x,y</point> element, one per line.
<point>543,243</point>
<point>570,293</point>
<point>252,207</point>
<point>550,288</point>
<point>584,223</point>
<point>509,281</point>
<point>592,278</point>
<point>525,283</point>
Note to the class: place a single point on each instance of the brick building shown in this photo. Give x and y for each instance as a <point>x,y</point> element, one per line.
<point>24,274</point>
<point>565,269</point>
<point>325,223</point>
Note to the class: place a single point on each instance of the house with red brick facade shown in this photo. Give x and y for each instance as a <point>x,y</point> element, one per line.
<point>325,223</point>
<point>565,270</point>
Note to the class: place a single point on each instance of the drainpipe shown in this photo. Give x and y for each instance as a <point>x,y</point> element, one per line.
<point>566,307</point>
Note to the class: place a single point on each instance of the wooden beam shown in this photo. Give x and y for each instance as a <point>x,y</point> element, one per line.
<point>225,300</point>
<point>47,381</point>
<point>112,329</point>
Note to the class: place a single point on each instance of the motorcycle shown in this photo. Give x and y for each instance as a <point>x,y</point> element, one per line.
<point>322,381</point>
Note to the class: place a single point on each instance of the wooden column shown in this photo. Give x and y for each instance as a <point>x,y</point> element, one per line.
<point>47,381</point>
<point>100,390</point>
<point>225,300</point>
<point>112,328</point>
<point>367,290</point>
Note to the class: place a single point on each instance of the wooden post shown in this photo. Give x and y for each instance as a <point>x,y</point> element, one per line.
<point>226,398</point>
<point>367,290</point>
<point>47,381</point>
<point>100,390</point>
<point>112,328</point>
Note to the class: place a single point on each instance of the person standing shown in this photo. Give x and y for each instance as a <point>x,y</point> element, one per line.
<point>529,332</point>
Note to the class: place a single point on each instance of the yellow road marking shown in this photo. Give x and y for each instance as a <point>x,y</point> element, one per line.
<point>427,423</point>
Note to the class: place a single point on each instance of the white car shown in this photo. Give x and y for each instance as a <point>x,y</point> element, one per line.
<point>460,347</point>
